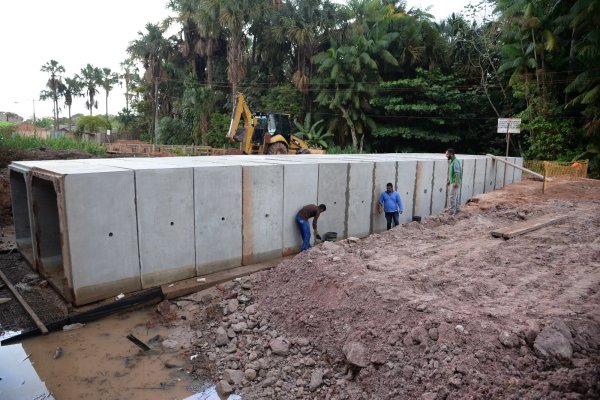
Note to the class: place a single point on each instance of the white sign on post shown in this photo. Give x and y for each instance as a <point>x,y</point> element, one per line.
<point>509,125</point>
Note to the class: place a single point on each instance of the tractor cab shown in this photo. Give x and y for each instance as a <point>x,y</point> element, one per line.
<point>273,124</point>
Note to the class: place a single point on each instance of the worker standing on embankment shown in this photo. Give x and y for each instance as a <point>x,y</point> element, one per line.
<point>454,180</point>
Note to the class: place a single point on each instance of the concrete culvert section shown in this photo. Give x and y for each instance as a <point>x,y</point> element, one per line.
<point>47,230</point>
<point>101,227</point>
<point>22,220</point>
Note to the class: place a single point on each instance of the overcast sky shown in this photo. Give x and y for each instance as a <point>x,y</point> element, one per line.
<point>78,32</point>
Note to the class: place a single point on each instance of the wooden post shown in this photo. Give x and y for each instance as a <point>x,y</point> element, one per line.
<point>545,173</point>
<point>24,304</point>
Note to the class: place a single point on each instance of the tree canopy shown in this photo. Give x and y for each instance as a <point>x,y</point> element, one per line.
<point>380,76</point>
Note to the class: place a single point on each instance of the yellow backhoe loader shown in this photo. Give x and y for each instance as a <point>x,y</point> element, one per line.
<point>263,133</point>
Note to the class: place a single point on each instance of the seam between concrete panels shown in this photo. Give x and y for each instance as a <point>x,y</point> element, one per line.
<point>415,185</point>
<point>373,197</point>
<point>283,223</point>
<point>485,175</point>
<point>137,224</point>
<point>432,189</point>
<point>474,177</point>
<point>194,217</point>
<point>346,211</point>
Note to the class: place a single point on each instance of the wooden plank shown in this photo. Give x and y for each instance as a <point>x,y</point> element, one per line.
<point>192,285</point>
<point>539,176</point>
<point>521,228</point>
<point>25,305</point>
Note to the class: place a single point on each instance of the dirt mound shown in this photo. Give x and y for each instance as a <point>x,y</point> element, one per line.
<point>434,310</point>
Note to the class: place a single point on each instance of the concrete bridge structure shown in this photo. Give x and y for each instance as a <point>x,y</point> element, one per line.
<point>96,228</point>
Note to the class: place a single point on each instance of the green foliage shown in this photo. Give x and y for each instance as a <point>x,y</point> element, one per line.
<point>194,111</point>
<point>217,131</point>
<point>62,143</point>
<point>551,137</point>
<point>92,124</point>
<point>313,136</point>
<point>282,99</point>
<point>44,122</point>
<point>7,128</point>
<point>341,150</point>
<point>427,110</point>
<point>172,131</point>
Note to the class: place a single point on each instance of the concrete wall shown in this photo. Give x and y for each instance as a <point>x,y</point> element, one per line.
<point>440,186</point>
<point>518,173</point>
<point>359,199</point>
<point>262,215</point>
<point>423,188</point>
<point>106,226</point>
<point>479,175</point>
<point>490,175</point>
<point>333,184</point>
<point>101,234</point>
<point>466,189</point>
<point>405,184</point>
<point>300,187</point>
<point>500,169</point>
<point>218,217</point>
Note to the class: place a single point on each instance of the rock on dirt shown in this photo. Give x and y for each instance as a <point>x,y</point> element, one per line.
<point>356,354</point>
<point>554,341</point>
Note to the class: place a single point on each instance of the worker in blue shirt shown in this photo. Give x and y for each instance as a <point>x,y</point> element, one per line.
<point>392,205</point>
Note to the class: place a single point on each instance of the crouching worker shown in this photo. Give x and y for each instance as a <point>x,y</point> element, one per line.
<point>307,212</point>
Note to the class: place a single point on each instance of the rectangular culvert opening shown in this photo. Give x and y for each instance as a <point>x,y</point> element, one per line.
<point>47,230</point>
<point>18,192</point>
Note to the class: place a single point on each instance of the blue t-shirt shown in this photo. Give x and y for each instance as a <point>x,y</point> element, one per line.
<point>391,201</point>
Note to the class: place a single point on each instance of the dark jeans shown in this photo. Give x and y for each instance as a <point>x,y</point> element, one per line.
<point>304,232</point>
<point>392,215</point>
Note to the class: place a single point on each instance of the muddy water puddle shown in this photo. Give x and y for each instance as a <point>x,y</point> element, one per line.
<point>97,361</point>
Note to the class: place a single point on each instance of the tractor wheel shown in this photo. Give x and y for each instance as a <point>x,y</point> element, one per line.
<point>303,150</point>
<point>277,148</point>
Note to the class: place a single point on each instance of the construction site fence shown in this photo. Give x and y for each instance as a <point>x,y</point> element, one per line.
<point>155,150</point>
<point>574,169</point>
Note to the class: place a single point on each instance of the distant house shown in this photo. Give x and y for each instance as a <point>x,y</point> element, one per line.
<point>29,130</point>
<point>63,131</point>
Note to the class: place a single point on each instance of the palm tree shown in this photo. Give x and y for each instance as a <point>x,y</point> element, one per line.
<point>152,48</point>
<point>55,87</point>
<point>233,16</point>
<point>73,88</point>
<point>206,18</point>
<point>528,37</point>
<point>91,78</point>
<point>108,80</point>
<point>306,26</point>
<point>348,76</point>
<point>129,76</point>
<point>583,19</point>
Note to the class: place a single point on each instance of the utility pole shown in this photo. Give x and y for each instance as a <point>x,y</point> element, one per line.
<point>33,101</point>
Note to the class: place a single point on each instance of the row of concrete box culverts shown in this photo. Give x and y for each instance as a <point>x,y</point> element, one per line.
<point>99,227</point>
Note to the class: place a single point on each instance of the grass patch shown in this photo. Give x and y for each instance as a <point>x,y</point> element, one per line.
<point>62,143</point>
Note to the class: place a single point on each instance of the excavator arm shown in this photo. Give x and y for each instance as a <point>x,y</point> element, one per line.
<point>241,110</point>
